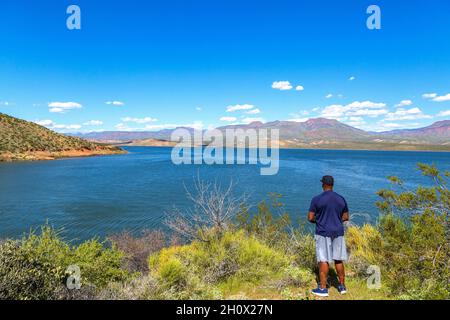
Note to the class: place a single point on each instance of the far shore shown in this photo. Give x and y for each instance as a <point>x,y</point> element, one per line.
<point>285,145</point>
<point>47,155</point>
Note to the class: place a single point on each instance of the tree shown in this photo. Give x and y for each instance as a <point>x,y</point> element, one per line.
<point>416,237</point>
<point>214,209</point>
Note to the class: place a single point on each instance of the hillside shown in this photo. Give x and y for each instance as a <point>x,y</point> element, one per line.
<point>438,132</point>
<point>316,133</point>
<point>308,131</point>
<point>23,140</point>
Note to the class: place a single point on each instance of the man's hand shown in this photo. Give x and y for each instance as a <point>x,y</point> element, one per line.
<point>312,217</point>
<point>345,217</point>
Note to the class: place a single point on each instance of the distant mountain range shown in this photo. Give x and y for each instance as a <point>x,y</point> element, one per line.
<point>314,133</point>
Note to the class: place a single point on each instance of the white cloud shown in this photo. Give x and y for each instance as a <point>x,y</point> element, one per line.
<point>328,96</point>
<point>366,104</point>
<point>434,97</point>
<point>354,121</point>
<point>68,127</point>
<point>299,88</point>
<point>373,113</point>
<point>115,103</point>
<point>61,107</point>
<point>442,98</point>
<point>238,107</point>
<point>299,115</point>
<point>404,103</point>
<point>228,119</point>
<point>139,120</point>
<point>250,120</point>
<point>298,119</point>
<point>57,110</point>
<point>4,103</point>
<point>352,78</point>
<point>355,108</point>
<point>52,125</point>
<point>387,126</point>
<point>44,123</point>
<point>93,123</point>
<point>122,127</point>
<point>406,114</point>
<point>253,111</point>
<point>282,85</point>
<point>429,95</point>
<point>198,108</point>
<point>444,113</point>
<point>198,125</point>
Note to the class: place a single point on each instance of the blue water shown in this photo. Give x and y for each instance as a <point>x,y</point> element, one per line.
<point>103,195</point>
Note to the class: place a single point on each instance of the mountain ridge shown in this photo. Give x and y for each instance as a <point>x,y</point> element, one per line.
<point>313,132</point>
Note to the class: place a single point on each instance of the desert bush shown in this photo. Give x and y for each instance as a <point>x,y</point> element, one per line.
<point>136,288</point>
<point>271,225</point>
<point>35,266</point>
<point>207,264</point>
<point>410,243</point>
<point>293,276</point>
<point>137,249</point>
<point>302,246</point>
<point>365,245</point>
<point>99,265</point>
<point>26,274</point>
<point>214,209</point>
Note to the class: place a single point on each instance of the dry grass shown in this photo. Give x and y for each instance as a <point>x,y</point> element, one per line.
<point>137,249</point>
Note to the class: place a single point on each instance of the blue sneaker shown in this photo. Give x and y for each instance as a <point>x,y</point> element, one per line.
<point>342,289</point>
<point>320,292</point>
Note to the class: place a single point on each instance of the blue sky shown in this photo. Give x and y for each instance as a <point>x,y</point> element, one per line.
<point>138,65</point>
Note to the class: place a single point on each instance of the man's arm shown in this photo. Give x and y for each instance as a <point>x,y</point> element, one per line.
<point>312,211</point>
<point>345,216</point>
<point>312,217</point>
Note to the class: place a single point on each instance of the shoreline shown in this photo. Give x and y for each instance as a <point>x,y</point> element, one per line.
<point>317,148</point>
<point>47,155</point>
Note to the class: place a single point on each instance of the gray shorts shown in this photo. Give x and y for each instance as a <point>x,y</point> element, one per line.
<point>330,249</point>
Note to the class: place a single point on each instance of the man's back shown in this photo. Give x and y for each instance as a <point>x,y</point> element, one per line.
<point>329,208</point>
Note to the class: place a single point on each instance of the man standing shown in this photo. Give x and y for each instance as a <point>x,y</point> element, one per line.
<point>329,211</point>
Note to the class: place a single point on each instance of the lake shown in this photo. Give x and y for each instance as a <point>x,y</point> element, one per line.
<point>99,196</point>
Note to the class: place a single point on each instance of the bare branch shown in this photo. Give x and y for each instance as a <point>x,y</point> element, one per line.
<point>214,208</point>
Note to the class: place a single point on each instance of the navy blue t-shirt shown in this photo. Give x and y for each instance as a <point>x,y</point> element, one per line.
<point>329,208</point>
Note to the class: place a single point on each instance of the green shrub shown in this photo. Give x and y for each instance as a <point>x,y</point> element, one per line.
<point>269,223</point>
<point>173,273</point>
<point>35,267</point>
<point>415,245</point>
<point>205,265</point>
<point>26,274</point>
<point>98,265</point>
<point>364,245</point>
<point>298,277</point>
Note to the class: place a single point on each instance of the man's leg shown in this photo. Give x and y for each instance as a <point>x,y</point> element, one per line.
<point>340,270</point>
<point>323,274</point>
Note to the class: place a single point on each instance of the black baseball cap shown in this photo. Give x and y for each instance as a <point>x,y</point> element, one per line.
<point>328,180</point>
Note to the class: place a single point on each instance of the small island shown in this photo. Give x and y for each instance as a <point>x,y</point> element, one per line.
<point>22,140</point>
